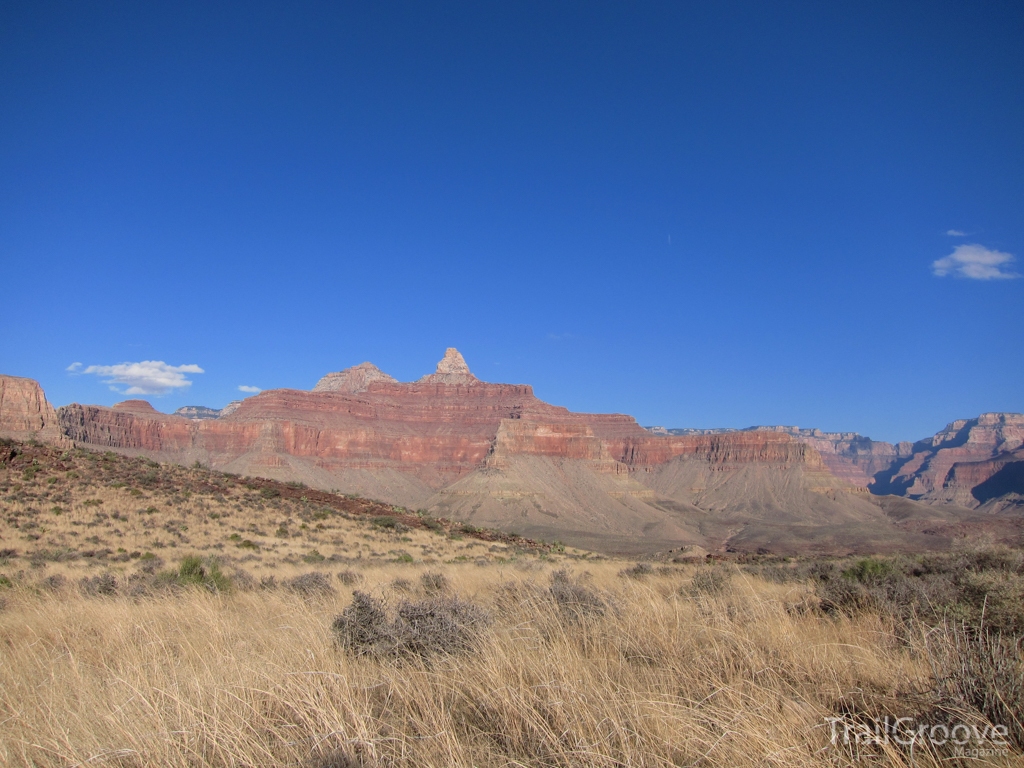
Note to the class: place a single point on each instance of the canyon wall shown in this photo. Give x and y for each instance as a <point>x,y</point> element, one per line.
<point>25,413</point>
<point>948,467</point>
<point>496,455</point>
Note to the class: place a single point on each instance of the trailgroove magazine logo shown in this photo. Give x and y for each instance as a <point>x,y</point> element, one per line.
<point>964,739</point>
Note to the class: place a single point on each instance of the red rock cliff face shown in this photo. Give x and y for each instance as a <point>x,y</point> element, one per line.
<point>436,430</point>
<point>967,453</point>
<point>722,449</point>
<point>24,412</point>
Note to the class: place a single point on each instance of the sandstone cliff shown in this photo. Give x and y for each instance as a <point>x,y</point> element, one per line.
<point>848,455</point>
<point>25,413</point>
<point>966,454</point>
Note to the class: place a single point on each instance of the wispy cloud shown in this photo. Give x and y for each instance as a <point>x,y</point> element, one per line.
<point>247,388</point>
<point>955,233</point>
<point>149,377</point>
<point>975,262</point>
<point>73,368</point>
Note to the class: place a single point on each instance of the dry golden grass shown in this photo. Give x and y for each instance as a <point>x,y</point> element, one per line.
<point>662,678</point>
<point>672,667</point>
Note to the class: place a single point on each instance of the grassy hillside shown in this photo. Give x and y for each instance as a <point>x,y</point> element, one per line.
<point>139,638</point>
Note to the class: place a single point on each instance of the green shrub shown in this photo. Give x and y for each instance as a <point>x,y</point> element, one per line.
<point>194,571</point>
<point>868,571</point>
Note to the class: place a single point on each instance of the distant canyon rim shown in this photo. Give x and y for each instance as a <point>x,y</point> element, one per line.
<point>496,456</point>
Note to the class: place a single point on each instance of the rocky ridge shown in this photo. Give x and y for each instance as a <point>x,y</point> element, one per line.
<point>496,455</point>
<point>352,380</point>
<point>197,412</point>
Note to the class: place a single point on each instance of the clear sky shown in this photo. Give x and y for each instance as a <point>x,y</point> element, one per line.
<point>700,214</point>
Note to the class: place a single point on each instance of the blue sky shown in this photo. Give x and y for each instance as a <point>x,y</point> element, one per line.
<point>713,214</point>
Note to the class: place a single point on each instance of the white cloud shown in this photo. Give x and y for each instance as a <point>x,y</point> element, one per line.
<point>149,377</point>
<point>73,368</point>
<point>955,233</point>
<point>976,262</point>
<point>247,388</point>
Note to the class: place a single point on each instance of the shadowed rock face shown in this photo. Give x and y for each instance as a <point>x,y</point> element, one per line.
<point>948,467</point>
<point>25,413</point>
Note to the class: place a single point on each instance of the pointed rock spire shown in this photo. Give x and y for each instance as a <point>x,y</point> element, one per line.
<point>451,369</point>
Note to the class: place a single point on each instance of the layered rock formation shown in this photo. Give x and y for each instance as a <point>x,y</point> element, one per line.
<point>848,455</point>
<point>197,412</point>
<point>25,413</point>
<point>352,380</point>
<point>497,456</point>
<point>492,454</point>
<point>963,457</point>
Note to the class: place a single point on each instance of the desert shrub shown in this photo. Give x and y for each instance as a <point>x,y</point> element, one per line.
<point>5,583</point>
<point>383,521</point>
<point>708,581</point>
<point>981,588</point>
<point>774,573</point>
<point>432,524</point>
<point>434,583</point>
<point>150,563</point>
<point>869,571</point>
<point>193,571</point>
<point>55,555</point>
<point>268,582</point>
<point>55,582</point>
<point>363,627</point>
<point>103,584</point>
<point>243,580</point>
<point>443,625</point>
<point>439,626</point>
<point>313,556</point>
<point>638,571</point>
<point>401,585</point>
<point>349,577</point>
<point>843,596</point>
<point>312,584</point>
<point>269,493</point>
<point>575,601</point>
